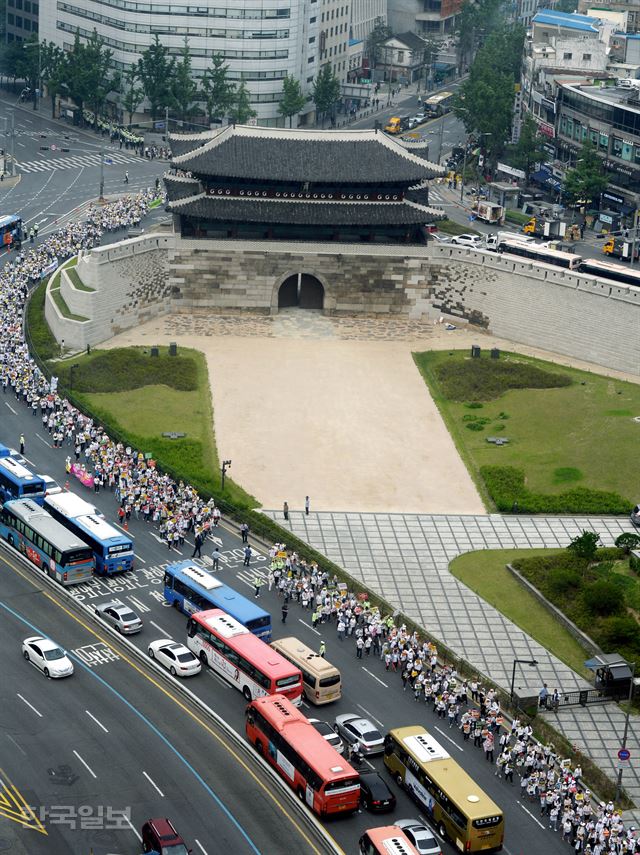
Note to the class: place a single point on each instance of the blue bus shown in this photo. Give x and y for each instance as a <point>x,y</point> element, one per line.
<point>18,482</point>
<point>50,546</point>
<point>191,589</point>
<point>11,232</point>
<point>113,550</point>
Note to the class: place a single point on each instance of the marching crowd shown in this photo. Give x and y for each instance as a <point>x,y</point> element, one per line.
<point>176,508</point>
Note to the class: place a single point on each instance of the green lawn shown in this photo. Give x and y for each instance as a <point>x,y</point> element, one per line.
<point>485,573</point>
<point>142,413</point>
<point>578,436</point>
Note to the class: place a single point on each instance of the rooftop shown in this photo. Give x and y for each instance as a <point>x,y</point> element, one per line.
<point>286,155</point>
<point>567,20</point>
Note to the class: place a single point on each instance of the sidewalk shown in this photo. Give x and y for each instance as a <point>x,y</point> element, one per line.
<point>405,557</point>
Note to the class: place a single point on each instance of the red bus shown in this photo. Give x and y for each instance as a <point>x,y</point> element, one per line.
<point>241,658</point>
<point>386,840</point>
<point>302,756</point>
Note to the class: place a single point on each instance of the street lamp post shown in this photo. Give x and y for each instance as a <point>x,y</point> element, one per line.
<point>225,465</point>
<point>531,662</point>
<point>626,726</point>
<point>101,194</point>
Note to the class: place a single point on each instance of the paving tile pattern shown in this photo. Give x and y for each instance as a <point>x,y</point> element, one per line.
<point>405,558</point>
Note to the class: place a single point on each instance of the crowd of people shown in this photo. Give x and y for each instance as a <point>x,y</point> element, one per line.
<point>176,509</point>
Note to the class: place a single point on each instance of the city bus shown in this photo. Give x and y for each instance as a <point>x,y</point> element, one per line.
<point>11,232</point>
<point>313,769</point>
<point>438,105</point>
<point>386,840</point>
<point>610,270</point>
<point>242,659</point>
<point>47,544</point>
<point>538,252</point>
<point>18,482</point>
<point>321,682</point>
<point>192,589</point>
<point>113,550</point>
<point>453,801</point>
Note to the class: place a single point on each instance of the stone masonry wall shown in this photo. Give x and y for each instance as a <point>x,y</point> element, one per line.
<point>537,305</point>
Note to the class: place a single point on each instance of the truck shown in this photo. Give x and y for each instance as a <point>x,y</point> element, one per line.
<point>618,247</point>
<point>490,212</point>
<point>495,239</point>
<point>541,227</point>
<point>394,126</point>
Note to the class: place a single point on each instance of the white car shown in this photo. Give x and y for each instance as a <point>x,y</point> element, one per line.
<point>51,487</point>
<point>329,734</point>
<point>121,617</point>
<point>421,836</point>
<point>48,656</point>
<point>439,238</point>
<point>360,731</point>
<point>474,241</point>
<point>176,657</point>
<point>418,119</point>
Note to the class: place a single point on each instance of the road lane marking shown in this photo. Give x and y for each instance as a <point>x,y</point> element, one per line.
<point>131,826</point>
<point>442,733</point>
<point>371,715</point>
<point>201,847</point>
<point>221,740</point>
<point>537,821</point>
<point>44,440</point>
<point>11,408</point>
<point>371,674</point>
<point>165,634</point>
<point>308,625</point>
<point>99,723</point>
<point>17,744</point>
<point>153,784</point>
<point>85,764</point>
<point>14,807</point>
<point>31,706</point>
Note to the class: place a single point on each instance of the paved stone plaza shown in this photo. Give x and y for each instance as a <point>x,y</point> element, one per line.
<point>405,558</point>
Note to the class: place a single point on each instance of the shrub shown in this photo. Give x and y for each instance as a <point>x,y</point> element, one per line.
<point>562,579</point>
<point>41,340</point>
<point>603,597</point>
<point>634,563</point>
<point>487,379</point>
<point>474,426</point>
<point>585,544</point>
<point>127,368</point>
<point>504,416</point>
<point>619,630</point>
<point>474,405</point>
<point>627,541</point>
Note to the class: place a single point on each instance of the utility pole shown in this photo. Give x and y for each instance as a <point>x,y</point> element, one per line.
<point>441,139</point>
<point>101,195</point>
<point>635,238</point>
<point>166,122</point>
<point>13,143</point>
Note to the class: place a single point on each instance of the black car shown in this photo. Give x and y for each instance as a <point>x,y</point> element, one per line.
<point>375,795</point>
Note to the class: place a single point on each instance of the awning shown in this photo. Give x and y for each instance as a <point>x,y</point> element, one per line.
<point>545,179</point>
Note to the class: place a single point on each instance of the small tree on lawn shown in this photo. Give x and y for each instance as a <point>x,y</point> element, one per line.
<point>627,541</point>
<point>585,545</point>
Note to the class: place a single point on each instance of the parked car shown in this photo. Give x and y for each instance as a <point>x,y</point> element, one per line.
<point>635,516</point>
<point>375,795</point>
<point>325,729</point>
<point>422,837</point>
<point>360,731</point>
<point>51,487</point>
<point>180,661</point>
<point>121,617</point>
<point>160,835</point>
<point>48,656</point>
<point>439,237</point>
<point>474,241</point>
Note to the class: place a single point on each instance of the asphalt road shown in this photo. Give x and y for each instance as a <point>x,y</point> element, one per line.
<point>53,183</point>
<point>368,689</point>
<point>117,742</point>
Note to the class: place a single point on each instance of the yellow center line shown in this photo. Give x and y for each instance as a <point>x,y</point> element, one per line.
<point>196,718</point>
<point>23,814</point>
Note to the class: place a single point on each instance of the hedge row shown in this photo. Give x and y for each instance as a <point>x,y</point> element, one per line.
<point>506,486</point>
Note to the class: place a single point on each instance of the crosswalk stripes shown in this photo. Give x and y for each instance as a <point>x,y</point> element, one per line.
<point>75,162</point>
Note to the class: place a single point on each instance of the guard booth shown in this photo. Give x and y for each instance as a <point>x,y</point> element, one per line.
<point>613,675</point>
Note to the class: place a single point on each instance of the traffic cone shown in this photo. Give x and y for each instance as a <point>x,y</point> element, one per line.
<point>125,525</point>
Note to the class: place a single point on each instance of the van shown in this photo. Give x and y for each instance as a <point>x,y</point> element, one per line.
<point>627,83</point>
<point>321,682</point>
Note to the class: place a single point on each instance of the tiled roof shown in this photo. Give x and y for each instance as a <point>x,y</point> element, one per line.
<point>182,143</point>
<point>292,212</point>
<point>179,187</point>
<point>281,154</point>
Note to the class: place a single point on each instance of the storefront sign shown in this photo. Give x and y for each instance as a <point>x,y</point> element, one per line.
<point>547,130</point>
<point>510,170</point>
<point>613,197</point>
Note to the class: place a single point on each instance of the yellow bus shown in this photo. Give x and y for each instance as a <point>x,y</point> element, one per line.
<point>321,682</point>
<point>455,804</point>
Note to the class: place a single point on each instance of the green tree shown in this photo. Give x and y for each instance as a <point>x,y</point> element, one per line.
<point>132,94</point>
<point>54,72</point>
<point>156,70</point>
<point>98,73</point>
<point>217,90</point>
<point>566,6</point>
<point>241,110</point>
<point>627,541</point>
<point>585,545</point>
<point>326,91</point>
<point>293,99</point>
<point>477,19</point>
<point>10,59</point>
<point>588,180</point>
<point>380,33</point>
<point>529,149</point>
<point>27,64</point>
<point>183,87</point>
